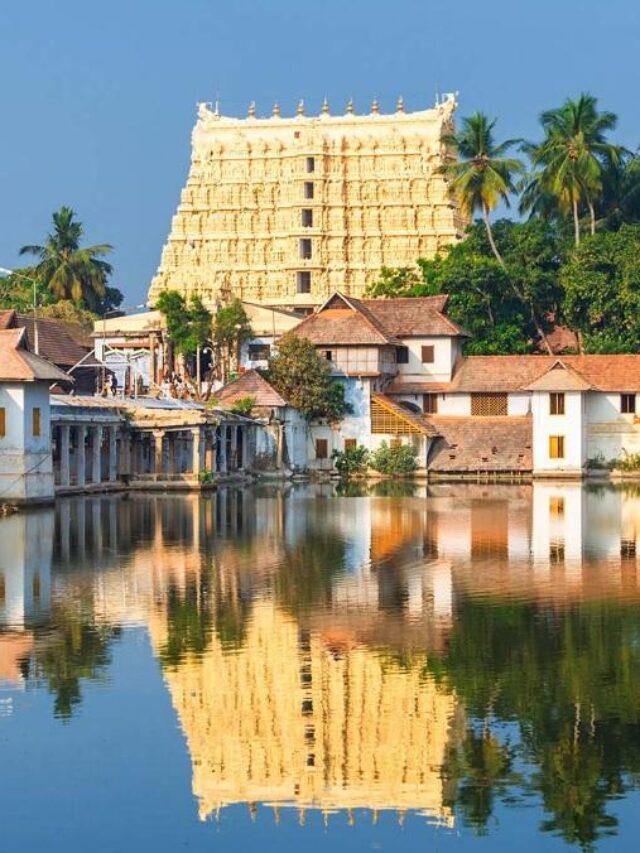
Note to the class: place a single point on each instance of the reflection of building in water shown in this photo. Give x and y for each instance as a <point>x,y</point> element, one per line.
<point>298,719</point>
<point>25,568</point>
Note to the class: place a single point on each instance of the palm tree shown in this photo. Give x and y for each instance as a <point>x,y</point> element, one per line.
<point>68,271</point>
<point>484,176</point>
<point>570,161</point>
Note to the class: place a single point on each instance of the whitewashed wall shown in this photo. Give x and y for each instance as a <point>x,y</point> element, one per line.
<point>571,425</point>
<point>444,357</point>
<point>26,468</point>
<point>610,434</point>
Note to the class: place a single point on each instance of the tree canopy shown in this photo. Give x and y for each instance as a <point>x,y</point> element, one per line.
<point>303,378</point>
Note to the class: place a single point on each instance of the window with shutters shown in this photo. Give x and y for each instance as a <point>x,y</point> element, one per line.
<point>36,424</point>
<point>556,404</point>
<point>628,404</point>
<point>322,448</point>
<point>556,506</point>
<point>350,443</point>
<point>3,422</point>
<point>428,354</point>
<point>489,405</point>
<point>556,447</point>
<point>430,404</point>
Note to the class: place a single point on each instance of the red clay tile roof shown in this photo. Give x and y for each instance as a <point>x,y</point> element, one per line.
<point>517,372</point>
<point>250,384</point>
<point>560,377</point>
<point>59,342</point>
<point>17,364</point>
<point>481,444</point>
<point>345,321</point>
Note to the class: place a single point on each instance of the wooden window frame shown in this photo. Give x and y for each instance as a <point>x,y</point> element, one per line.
<point>36,422</point>
<point>350,443</point>
<point>557,448</point>
<point>428,353</point>
<point>3,422</point>
<point>489,405</point>
<point>430,403</point>
<point>322,448</point>
<point>557,403</point>
<point>628,404</point>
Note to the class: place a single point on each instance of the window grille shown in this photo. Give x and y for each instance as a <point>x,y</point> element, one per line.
<point>489,405</point>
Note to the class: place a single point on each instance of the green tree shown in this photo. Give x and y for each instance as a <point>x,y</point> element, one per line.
<point>231,328</point>
<point>66,269</point>
<point>303,378</point>
<point>394,459</point>
<point>189,324</point>
<point>394,282</point>
<point>569,162</point>
<point>601,282</point>
<point>350,461</point>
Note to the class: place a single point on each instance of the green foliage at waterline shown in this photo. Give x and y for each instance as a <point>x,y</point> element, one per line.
<point>395,459</point>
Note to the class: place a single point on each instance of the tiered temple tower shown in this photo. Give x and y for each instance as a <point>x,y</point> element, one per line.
<point>284,211</point>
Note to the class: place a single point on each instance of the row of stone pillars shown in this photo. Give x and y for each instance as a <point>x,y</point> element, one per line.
<point>217,450</point>
<point>87,446</point>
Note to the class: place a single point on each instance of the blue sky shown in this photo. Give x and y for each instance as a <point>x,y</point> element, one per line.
<point>98,99</point>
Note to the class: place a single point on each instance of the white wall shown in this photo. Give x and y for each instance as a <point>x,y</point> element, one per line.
<point>26,469</point>
<point>456,405</point>
<point>571,425</point>
<point>440,370</point>
<point>610,434</point>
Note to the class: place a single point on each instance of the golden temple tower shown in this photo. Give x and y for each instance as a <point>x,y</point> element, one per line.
<point>284,211</point>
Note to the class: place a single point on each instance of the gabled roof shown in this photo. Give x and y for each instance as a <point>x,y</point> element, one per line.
<point>64,344</point>
<point>345,320</point>
<point>560,377</point>
<point>251,384</point>
<point>17,364</point>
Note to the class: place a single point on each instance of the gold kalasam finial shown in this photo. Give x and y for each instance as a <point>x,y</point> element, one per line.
<point>350,109</point>
<point>400,104</point>
<point>375,107</point>
<point>276,109</point>
<point>300,108</point>
<point>325,106</point>
<point>251,112</point>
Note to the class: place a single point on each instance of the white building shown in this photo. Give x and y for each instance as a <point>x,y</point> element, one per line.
<point>26,472</point>
<point>407,380</point>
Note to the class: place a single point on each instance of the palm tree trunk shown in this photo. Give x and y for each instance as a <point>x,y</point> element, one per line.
<point>492,242</point>
<point>494,249</point>
<point>576,221</point>
<point>592,216</point>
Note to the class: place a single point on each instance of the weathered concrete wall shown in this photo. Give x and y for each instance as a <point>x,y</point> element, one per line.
<point>26,471</point>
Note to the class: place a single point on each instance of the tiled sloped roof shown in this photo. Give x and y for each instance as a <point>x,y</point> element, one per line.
<point>517,372</point>
<point>481,444</point>
<point>20,365</point>
<point>413,316</point>
<point>250,384</point>
<point>65,344</point>
<point>560,377</point>
<point>416,420</point>
<point>347,321</point>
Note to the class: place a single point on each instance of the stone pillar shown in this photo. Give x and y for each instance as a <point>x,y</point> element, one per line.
<point>223,448</point>
<point>209,451</point>
<point>63,451</point>
<point>158,435</point>
<point>81,468</point>
<point>113,453</point>
<point>96,455</point>
<point>196,464</point>
<point>233,449</point>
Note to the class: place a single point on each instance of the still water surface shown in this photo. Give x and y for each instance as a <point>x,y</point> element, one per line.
<point>392,669</point>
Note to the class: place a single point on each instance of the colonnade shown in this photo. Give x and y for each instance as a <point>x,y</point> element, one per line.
<point>87,454</point>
